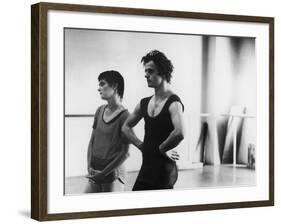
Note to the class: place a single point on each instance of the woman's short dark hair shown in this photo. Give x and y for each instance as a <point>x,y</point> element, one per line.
<point>113,78</point>
<point>164,65</point>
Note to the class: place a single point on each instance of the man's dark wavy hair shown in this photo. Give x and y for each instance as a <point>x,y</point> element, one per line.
<point>164,65</point>
<point>113,78</point>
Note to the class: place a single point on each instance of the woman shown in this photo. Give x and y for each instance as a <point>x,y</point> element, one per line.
<point>107,148</point>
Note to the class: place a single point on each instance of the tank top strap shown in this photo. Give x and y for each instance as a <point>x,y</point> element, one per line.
<point>173,98</point>
<point>143,105</point>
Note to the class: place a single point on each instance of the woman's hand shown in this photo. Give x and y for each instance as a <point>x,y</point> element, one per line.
<point>91,171</point>
<point>95,175</point>
<point>98,176</point>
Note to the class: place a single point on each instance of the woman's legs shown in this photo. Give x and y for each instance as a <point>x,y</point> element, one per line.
<point>93,187</point>
<point>115,186</point>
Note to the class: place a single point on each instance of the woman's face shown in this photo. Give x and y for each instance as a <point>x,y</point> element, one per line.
<point>105,90</point>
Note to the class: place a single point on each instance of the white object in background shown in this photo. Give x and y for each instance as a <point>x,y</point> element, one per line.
<point>232,116</point>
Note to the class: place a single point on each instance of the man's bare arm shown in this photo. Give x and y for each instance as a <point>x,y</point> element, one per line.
<point>131,122</point>
<point>177,135</point>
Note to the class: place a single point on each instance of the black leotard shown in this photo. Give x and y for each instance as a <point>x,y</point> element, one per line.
<point>157,171</point>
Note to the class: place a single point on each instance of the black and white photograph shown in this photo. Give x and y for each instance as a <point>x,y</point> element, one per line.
<point>141,111</point>
<point>158,111</point>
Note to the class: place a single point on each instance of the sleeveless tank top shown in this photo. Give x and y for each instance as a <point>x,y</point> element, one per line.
<point>157,169</point>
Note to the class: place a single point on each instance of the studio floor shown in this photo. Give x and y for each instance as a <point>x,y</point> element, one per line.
<point>205,177</point>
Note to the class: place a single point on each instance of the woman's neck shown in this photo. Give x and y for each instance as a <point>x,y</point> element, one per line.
<point>114,103</point>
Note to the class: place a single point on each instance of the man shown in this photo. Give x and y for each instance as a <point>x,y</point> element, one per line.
<point>163,117</point>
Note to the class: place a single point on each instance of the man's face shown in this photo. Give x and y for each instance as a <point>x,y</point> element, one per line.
<point>152,75</point>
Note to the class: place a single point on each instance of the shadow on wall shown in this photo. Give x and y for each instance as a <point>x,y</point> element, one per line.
<point>228,79</point>
<point>222,130</point>
<point>200,149</point>
<point>233,133</point>
<point>225,141</point>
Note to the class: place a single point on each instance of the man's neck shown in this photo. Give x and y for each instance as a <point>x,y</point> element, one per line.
<point>162,90</point>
